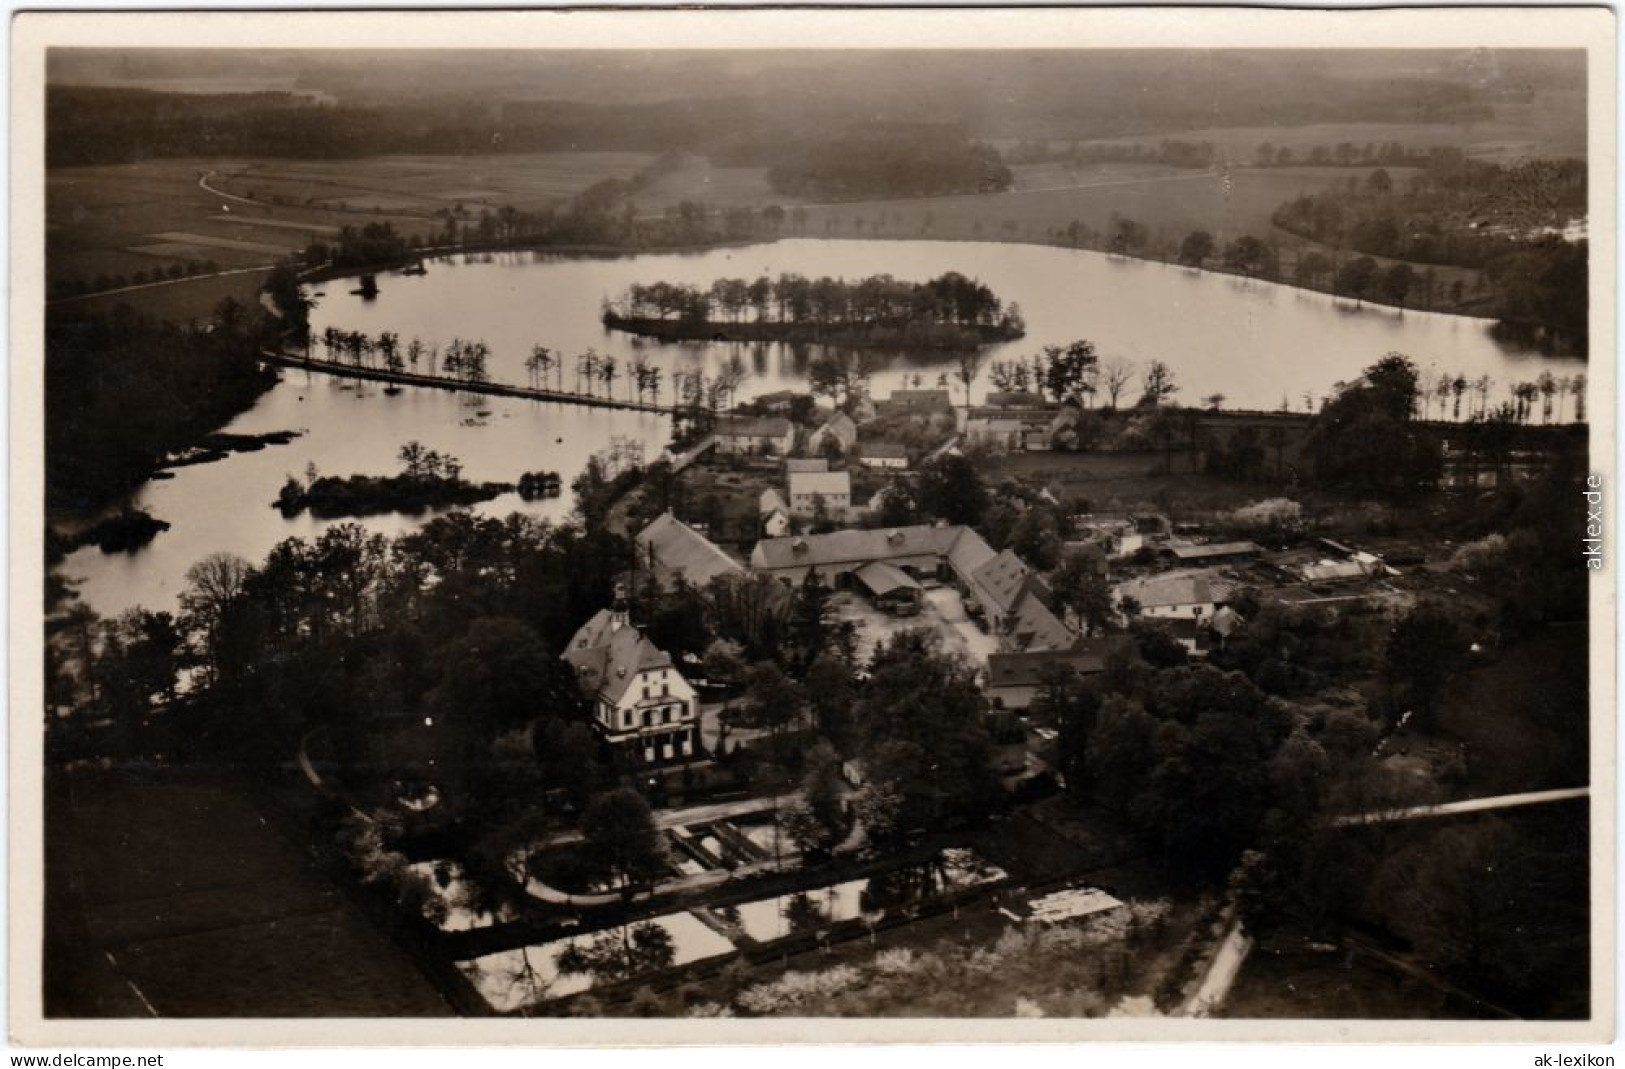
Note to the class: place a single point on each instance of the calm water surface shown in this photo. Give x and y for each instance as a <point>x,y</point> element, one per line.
<point>1254,342</point>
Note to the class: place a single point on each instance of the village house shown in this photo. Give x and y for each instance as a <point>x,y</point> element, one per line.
<point>670,549</point>
<point>1014,680</point>
<point>1189,597</point>
<point>794,464</point>
<point>891,455</point>
<point>1012,428</point>
<point>918,405</point>
<point>840,429</point>
<point>811,489</point>
<point>1004,435</point>
<point>774,513</point>
<point>641,704</point>
<point>755,434</point>
<point>778,402</point>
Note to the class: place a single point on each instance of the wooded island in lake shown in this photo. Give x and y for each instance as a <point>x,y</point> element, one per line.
<point>948,312</point>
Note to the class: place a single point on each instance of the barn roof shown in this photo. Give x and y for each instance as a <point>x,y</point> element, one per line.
<point>671,548</point>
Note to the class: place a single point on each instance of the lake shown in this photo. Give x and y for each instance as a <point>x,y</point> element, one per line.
<point>1257,343</point>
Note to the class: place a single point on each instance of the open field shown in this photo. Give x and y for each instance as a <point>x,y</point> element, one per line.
<point>1551,125</point>
<point>179,302</point>
<point>426,184</point>
<point>1113,482</point>
<point>108,223</point>
<point>120,219</point>
<point>104,223</point>
<point>173,897</point>
<point>1170,201</point>
<point>1044,200</point>
<point>719,187</point>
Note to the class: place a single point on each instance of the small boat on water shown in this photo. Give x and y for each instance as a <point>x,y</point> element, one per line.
<point>415,269</point>
<point>368,288</point>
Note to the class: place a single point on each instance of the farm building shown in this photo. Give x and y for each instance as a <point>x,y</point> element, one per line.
<point>1214,553</point>
<point>922,550</point>
<point>1000,588</point>
<point>670,549</point>
<point>892,589</point>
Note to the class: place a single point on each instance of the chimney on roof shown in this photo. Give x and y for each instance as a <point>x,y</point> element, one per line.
<point>799,545</point>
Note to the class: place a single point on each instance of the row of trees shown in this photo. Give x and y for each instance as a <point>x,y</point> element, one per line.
<point>465,361</point>
<point>1360,278</point>
<point>1548,393</point>
<point>594,374</point>
<point>1348,154</point>
<point>63,286</point>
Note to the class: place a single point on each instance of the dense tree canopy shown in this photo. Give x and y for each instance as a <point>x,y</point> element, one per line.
<point>1364,438</point>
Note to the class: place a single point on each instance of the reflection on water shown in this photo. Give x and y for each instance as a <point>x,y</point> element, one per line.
<point>1254,342</point>
<point>226,505</point>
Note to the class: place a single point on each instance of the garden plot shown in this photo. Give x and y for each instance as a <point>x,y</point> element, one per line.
<point>513,980</point>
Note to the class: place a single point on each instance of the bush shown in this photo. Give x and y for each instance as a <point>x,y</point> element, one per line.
<point>1271,514</point>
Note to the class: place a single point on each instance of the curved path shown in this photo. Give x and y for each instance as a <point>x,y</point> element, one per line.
<point>203,184</point>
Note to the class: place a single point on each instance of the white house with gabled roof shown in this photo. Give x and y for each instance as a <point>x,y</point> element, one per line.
<point>640,701</point>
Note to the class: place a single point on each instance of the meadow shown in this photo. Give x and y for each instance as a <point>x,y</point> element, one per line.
<point>112,223</point>
<point>1551,125</point>
<point>181,891</point>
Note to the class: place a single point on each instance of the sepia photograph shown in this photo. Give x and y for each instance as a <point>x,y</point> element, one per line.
<point>706,520</point>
